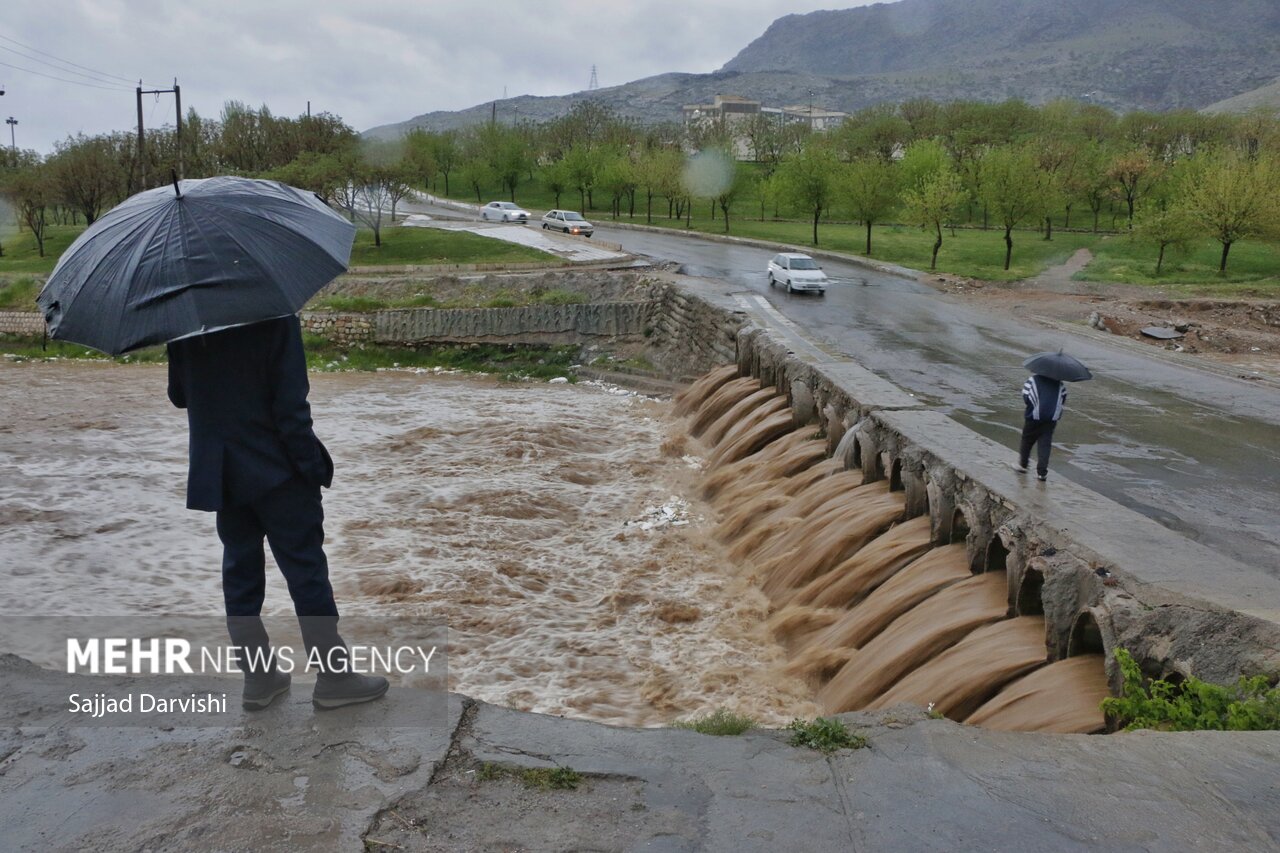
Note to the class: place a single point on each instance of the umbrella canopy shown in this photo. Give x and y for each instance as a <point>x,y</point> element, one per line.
<point>1058,365</point>
<point>191,258</point>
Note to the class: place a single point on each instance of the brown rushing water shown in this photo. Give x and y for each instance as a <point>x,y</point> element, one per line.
<point>507,511</point>
<point>872,614</point>
<point>1062,697</point>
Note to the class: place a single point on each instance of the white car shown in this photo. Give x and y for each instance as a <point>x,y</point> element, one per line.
<point>568,221</point>
<point>504,211</point>
<point>800,273</point>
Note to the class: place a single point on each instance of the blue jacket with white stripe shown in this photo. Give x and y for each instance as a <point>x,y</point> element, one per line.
<point>1045,398</point>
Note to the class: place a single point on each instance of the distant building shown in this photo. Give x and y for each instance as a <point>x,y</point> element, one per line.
<point>733,111</point>
<point>727,108</point>
<point>817,118</point>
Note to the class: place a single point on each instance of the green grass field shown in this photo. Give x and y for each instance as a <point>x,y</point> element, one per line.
<point>418,246</point>
<point>19,292</point>
<point>430,246</point>
<point>21,255</point>
<point>1253,268</point>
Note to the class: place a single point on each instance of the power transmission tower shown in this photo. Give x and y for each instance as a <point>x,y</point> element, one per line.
<point>595,81</point>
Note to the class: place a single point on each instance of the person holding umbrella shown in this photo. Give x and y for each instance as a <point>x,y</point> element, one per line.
<point>217,269</point>
<point>1045,396</point>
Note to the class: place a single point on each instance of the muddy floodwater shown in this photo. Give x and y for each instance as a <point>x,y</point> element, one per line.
<point>553,528</point>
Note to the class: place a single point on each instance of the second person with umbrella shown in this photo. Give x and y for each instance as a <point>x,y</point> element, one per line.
<point>1045,397</point>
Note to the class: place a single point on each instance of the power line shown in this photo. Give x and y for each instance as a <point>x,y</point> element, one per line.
<point>62,79</point>
<point>64,61</point>
<point>104,81</point>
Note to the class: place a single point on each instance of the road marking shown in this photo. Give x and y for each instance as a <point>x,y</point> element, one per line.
<point>795,337</point>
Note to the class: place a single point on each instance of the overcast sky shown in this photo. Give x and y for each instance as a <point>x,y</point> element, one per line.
<point>371,62</point>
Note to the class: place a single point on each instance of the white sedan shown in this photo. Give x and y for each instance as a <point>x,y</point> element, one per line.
<point>504,211</point>
<point>800,273</point>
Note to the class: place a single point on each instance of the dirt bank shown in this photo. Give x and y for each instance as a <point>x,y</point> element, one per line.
<point>1242,334</point>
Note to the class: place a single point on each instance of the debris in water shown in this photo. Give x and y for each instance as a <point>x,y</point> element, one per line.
<point>673,513</point>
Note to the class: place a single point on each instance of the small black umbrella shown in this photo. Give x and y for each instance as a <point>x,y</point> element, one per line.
<point>191,258</point>
<point>1058,365</point>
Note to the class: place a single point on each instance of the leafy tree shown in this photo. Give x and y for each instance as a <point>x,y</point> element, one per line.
<point>376,188</point>
<point>1013,191</point>
<point>583,165</point>
<point>448,154</point>
<point>934,203</point>
<point>1132,173</point>
<point>420,156</point>
<point>1233,196</point>
<point>1167,227</point>
<point>86,175</point>
<point>921,161</point>
<point>870,191</point>
<point>809,180</point>
<point>1058,159</point>
<point>31,191</point>
<point>617,177</point>
<point>876,130</point>
<point>555,178</point>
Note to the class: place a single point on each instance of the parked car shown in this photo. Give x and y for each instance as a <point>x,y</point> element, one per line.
<point>504,211</point>
<point>800,273</point>
<point>568,222</point>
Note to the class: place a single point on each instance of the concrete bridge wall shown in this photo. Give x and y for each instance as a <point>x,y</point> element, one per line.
<point>1178,607</point>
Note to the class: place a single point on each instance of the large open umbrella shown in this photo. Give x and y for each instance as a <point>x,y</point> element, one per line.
<point>191,258</point>
<point>1058,365</point>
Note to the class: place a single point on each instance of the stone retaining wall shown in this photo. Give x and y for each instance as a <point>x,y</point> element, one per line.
<point>528,324</point>
<point>21,323</point>
<point>343,328</point>
<point>685,334</point>
<point>688,336</point>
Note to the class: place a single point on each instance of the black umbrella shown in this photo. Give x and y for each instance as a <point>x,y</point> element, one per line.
<point>1058,365</point>
<point>191,258</point>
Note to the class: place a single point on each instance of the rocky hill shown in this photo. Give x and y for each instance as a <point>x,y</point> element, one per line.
<point>1126,54</point>
<point>1264,97</point>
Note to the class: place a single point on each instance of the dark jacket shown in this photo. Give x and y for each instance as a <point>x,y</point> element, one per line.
<point>1045,398</point>
<point>245,392</point>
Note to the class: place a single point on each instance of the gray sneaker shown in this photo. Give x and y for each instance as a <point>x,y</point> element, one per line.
<point>335,691</point>
<point>260,690</point>
<point>1019,467</point>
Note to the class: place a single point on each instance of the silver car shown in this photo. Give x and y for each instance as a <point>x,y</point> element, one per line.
<point>800,273</point>
<point>504,211</point>
<point>567,221</point>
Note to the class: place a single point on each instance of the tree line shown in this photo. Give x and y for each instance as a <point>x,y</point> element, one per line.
<point>1168,178</point>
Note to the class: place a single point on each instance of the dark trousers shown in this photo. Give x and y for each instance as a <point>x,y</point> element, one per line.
<point>1040,434</point>
<point>291,519</point>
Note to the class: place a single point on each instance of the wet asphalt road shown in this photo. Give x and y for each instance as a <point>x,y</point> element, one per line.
<point>1196,451</point>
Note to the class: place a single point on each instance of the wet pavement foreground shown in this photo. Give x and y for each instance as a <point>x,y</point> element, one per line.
<point>290,780</point>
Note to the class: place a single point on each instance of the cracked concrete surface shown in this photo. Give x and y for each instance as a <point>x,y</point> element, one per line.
<point>289,779</point>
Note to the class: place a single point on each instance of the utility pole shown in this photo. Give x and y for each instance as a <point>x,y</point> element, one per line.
<point>142,137</point>
<point>12,122</point>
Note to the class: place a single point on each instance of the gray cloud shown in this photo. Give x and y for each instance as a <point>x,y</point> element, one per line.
<point>372,63</point>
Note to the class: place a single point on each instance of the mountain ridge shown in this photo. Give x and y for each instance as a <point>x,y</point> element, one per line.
<point>1123,54</point>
